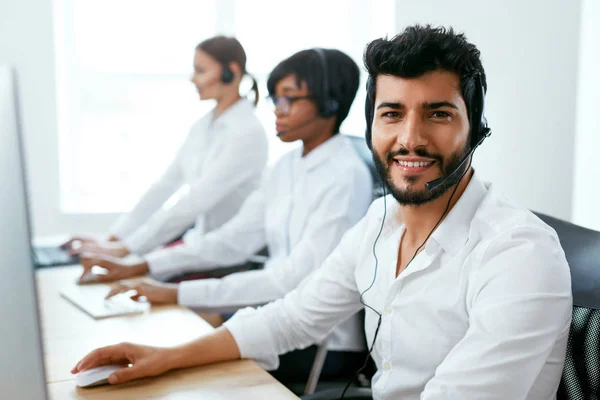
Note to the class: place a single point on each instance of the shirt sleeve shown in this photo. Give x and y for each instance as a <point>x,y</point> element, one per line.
<point>342,206</point>
<point>520,309</point>
<point>307,314</point>
<point>232,161</point>
<point>231,244</point>
<point>151,201</point>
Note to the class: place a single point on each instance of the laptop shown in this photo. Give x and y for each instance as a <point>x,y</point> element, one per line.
<point>52,256</point>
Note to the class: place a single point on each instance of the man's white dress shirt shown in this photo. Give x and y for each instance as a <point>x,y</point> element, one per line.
<point>214,172</point>
<point>301,211</point>
<point>483,312</point>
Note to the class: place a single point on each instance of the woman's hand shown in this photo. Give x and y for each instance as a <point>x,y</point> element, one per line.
<point>102,247</point>
<point>154,292</point>
<point>115,268</point>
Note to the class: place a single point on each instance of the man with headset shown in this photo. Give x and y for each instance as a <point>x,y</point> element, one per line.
<point>467,296</point>
<point>305,204</point>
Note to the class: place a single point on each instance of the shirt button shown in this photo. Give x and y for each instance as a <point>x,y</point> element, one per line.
<point>388,310</point>
<point>387,366</point>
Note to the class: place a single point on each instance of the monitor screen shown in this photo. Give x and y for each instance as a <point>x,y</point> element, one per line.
<point>21,363</point>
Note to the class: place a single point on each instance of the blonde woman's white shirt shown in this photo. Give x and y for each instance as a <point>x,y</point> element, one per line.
<point>219,165</point>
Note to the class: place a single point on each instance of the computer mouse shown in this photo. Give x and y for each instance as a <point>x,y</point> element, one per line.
<point>96,376</point>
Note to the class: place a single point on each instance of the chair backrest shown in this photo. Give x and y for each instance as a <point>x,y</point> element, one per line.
<point>360,145</point>
<point>581,374</point>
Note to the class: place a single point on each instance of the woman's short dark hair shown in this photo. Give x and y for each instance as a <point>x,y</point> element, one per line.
<point>422,49</point>
<point>228,50</point>
<point>343,77</point>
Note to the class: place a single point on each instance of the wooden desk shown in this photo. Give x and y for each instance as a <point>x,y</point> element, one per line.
<point>68,334</point>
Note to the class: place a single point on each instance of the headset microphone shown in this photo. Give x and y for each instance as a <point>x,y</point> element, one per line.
<point>431,185</point>
<point>302,125</point>
<point>479,125</point>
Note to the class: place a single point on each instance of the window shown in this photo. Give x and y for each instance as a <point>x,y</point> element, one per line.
<point>125,101</point>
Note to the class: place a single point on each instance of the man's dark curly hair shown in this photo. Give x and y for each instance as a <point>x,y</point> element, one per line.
<point>422,49</point>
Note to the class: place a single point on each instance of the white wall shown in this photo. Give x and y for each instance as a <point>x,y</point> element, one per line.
<point>26,42</point>
<point>529,50</point>
<point>586,210</point>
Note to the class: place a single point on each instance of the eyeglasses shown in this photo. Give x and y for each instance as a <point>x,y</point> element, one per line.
<point>284,103</point>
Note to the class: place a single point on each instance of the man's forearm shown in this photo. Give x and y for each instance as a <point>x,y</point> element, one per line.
<point>217,346</point>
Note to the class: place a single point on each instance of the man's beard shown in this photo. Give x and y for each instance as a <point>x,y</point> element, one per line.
<point>415,197</point>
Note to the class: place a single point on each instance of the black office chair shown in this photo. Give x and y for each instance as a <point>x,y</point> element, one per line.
<point>360,145</point>
<point>582,365</point>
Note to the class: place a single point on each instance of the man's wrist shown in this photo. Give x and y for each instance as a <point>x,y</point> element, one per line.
<point>173,357</point>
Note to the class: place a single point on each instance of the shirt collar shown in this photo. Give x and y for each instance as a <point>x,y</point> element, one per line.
<point>228,117</point>
<point>322,153</point>
<point>453,232</point>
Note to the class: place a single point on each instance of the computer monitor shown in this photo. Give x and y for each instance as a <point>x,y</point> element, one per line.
<point>21,362</point>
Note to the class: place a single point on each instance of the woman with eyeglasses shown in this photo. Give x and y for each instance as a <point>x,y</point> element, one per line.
<point>305,204</point>
<point>218,166</point>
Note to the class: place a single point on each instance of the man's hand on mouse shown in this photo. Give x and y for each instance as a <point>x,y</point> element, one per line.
<point>145,360</point>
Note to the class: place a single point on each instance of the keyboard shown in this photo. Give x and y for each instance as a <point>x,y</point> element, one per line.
<point>52,256</point>
<point>90,299</point>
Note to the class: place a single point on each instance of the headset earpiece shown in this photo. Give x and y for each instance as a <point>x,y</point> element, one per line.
<point>330,106</point>
<point>227,74</point>
<point>369,113</point>
<point>479,126</point>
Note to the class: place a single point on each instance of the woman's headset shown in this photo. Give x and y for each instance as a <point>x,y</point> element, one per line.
<point>329,106</point>
<point>227,74</point>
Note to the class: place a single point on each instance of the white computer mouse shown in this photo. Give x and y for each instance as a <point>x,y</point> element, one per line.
<point>96,376</point>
